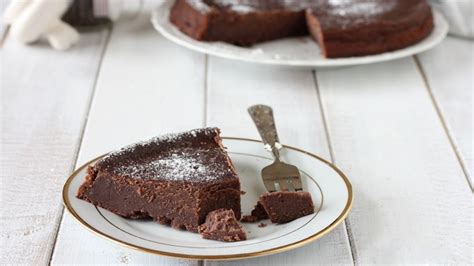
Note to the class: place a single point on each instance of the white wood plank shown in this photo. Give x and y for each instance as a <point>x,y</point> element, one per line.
<point>412,202</point>
<point>449,68</point>
<point>232,88</point>
<point>45,95</point>
<point>147,86</point>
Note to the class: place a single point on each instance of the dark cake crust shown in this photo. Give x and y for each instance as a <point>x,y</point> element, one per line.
<point>342,28</point>
<point>174,179</point>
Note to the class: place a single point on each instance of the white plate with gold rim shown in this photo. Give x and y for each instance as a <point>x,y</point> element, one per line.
<point>295,52</point>
<point>330,189</point>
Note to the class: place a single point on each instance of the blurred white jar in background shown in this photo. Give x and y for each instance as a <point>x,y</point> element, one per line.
<point>92,13</point>
<point>460,15</point>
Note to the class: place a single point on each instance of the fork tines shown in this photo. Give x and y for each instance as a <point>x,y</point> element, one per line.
<point>283,184</point>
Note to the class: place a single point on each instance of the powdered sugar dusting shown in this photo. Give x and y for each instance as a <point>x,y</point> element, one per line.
<point>192,156</point>
<point>359,8</point>
<point>339,2</point>
<point>170,137</point>
<point>242,8</point>
<point>199,5</point>
<point>184,167</point>
<point>247,6</point>
<point>353,8</point>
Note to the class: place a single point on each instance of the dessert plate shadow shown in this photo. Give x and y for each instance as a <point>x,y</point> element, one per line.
<point>295,52</point>
<point>329,187</point>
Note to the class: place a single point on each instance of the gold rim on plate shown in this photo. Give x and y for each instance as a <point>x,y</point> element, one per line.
<point>287,247</point>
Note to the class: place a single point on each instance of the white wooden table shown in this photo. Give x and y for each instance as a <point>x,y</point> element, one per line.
<point>401,131</point>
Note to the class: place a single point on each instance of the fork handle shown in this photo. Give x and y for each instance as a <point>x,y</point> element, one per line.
<point>262,116</point>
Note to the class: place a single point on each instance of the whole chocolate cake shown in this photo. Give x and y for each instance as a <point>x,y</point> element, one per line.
<point>341,27</point>
<point>175,179</point>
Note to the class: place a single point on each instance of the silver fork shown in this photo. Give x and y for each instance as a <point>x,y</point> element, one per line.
<point>278,174</point>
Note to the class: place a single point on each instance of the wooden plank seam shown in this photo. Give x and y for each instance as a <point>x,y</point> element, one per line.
<point>442,119</point>
<point>83,129</point>
<point>350,236</point>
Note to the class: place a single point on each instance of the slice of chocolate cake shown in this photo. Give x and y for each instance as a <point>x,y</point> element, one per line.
<point>284,206</point>
<point>175,179</point>
<point>222,225</point>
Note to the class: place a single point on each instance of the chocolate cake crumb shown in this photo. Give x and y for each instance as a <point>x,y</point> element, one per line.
<point>222,225</point>
<point>281,207</point>
<point>242,192</point>
<point>262,225</point>
<point>259,212</point>
<point>249,219</point>
<point>285,206</point>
